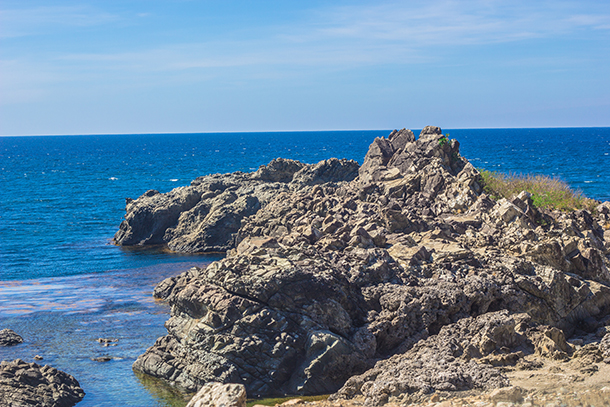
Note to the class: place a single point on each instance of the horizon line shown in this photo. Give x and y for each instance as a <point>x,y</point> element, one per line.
<point>291,131</point>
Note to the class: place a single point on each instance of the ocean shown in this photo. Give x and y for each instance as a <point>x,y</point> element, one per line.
<point>63,284</point>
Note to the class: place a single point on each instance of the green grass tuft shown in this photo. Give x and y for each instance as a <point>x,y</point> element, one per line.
<point>547,192</point>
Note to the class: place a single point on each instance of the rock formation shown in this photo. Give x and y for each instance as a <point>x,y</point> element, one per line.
<point>205,216</point>
<point>29,384</point>
<point>8,337</point>
<point>404,280</point>
<point>219,395</point>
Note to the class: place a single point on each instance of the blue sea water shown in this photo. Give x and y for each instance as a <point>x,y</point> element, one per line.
<point>63,284</point>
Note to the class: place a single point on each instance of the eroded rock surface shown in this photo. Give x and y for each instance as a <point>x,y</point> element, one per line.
<point>29,384</point>
<point>215,394</point>
<point>8,337</point>
<point>205,216</point>
<point>405,280</point>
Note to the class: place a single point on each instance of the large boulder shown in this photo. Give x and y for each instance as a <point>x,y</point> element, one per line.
<point>28,384</point>
<point>8,337</point>
<point>215,394</point>
<point>293,326</point>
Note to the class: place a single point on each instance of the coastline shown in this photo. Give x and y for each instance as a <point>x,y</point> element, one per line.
<point>412,238</point>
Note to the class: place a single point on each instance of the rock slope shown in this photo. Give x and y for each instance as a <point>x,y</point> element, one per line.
<point>402,281</point>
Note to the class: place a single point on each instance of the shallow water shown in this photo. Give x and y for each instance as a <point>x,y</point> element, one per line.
<point>62,318</point>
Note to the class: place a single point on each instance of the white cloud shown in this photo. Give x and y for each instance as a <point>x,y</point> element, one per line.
<point>40,20</point>
<point>329,38</point>
<point>421,24</point>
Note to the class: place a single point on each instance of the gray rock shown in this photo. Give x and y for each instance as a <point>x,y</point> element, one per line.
<point>28,384</point>
<point>278,170</point>
<point>8,337</point>
<point>605,346</point>
<point>215,394</point>
<point>206,216</point>
<point>328,171</point>
<point>404,280</point>
<point>443,362</point>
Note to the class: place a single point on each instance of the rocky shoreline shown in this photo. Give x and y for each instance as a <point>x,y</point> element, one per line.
<point>396,282</point>
<point>387,282</point>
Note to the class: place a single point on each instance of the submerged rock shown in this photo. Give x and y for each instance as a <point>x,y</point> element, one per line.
<point>402,281</point>
<point>29,384</point>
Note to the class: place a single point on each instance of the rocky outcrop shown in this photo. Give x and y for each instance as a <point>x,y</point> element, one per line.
<point>403,281</point>
<point>8,337</point>
<point>447,361</point>
<point>219,395</point>
<point>205,216</point>
<point>29,384</point>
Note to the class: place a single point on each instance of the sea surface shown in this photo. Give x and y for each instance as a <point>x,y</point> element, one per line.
<point>63,284</point>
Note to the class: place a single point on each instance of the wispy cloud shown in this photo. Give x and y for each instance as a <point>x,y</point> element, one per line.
<point>393,33</point>
<point>327,38</point>
<point>39,20</point>
<point>422,24</point>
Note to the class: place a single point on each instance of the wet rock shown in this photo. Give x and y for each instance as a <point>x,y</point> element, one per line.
<point>107,340</point>
<point>29,384</point>
<point>8,337</point>
<point>102,359</point>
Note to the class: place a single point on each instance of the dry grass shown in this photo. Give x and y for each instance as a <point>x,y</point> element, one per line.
<point>547,193</point>
<point>280,400</point>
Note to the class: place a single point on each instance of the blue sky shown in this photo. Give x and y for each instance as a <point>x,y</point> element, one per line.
<point>83,67</point>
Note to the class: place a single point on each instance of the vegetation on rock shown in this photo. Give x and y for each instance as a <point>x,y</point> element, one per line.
<point>547,192</point>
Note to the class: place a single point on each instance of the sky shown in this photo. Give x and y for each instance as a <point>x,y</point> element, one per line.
<point>147,66</point>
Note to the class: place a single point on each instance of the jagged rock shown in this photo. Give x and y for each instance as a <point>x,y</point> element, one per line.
<point>605,347</point>
<point>8,337</point>
<point>443,362</point>
<point>28,384</point>
<point>551,343</point>
<point>206,216</point>
<point>278,170</point>
<point>336,279</point>
<point>327,171</point>
<point>279,325</point>
<point>215,394</point>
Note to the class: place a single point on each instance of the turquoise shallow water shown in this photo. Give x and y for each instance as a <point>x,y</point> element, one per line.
<point>63,284</point>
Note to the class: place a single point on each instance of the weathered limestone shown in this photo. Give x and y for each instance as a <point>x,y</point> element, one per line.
<point>206,216</point>
<point>403,281</point>
<point>215,394</point>
<point>29,384</point>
